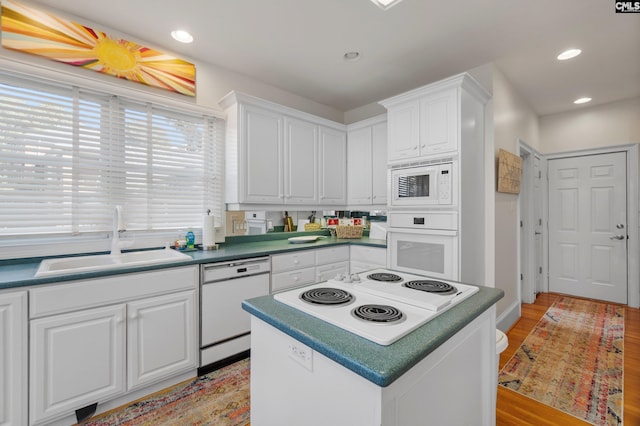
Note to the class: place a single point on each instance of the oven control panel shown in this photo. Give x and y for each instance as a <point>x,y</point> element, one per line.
<point>444,184</point>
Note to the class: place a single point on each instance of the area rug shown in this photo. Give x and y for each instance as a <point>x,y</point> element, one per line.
<point>218,398</point>
<point>572,361</point>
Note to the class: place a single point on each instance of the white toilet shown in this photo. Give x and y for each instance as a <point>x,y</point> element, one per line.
<point>501,344</point>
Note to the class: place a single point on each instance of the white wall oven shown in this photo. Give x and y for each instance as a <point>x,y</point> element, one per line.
<point>422,185</point>
<point>424,243</point>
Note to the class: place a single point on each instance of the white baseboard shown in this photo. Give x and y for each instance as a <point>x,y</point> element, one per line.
<point>509,317</point>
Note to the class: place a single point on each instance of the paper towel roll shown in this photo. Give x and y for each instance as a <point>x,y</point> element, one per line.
<point>208,232</point>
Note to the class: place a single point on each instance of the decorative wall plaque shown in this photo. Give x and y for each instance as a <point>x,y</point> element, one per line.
<point>509,172</point>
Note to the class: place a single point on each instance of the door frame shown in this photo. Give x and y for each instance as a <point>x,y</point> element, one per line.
<point>525,240</point>
<point>633,244</point>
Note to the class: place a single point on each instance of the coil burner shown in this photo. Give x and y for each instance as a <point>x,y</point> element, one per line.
<point>430,286</point>
<point>378,313</point>
<point>327,296</point>
<point>385,277</point>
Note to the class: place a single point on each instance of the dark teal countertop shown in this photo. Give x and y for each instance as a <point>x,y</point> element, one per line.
<point>21,272</point>
<point>381,365</point>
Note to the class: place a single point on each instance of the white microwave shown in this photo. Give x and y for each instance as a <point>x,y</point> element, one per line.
<point>422,185</point>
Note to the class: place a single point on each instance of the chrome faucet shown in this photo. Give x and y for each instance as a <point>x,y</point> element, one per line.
<point>118,227</point>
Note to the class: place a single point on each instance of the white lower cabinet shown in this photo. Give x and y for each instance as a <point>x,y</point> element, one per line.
<point>327,272</point>
<point>76,359</point>
<point>13,358</point>
<point>92,341</point>
<point>150,325</point>
<point>306,267</point>
<point>365,258</point>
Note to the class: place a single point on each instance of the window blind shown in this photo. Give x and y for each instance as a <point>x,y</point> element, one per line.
<point>68,155</point>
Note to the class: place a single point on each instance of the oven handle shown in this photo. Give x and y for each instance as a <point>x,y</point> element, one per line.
<point>424,231</point>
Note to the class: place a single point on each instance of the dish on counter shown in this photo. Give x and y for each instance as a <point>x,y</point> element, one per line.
<point>305,239</point>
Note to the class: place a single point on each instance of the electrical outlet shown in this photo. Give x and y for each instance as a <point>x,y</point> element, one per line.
<point>301,354</point>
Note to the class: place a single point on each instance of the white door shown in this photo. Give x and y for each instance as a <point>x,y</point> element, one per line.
<point>588,226</point>
<point>161,337</point>
<point>537,223</point>
<point>76,359</point>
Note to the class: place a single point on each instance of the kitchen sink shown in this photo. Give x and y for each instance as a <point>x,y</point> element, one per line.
<point>101,262</point>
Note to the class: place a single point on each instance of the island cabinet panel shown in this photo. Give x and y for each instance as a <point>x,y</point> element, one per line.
<point>460,372</point>
<point>13,358</point>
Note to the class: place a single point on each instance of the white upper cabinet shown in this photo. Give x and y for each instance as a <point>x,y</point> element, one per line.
<point>359,162</point>
<point>300,162</point>
<point>439,123</point>
<point>333,166</point>
<point>404,131</point>
<point>261,145</point>
<point>277,156</point>
<point>367,163</point>
<point>426,122</point>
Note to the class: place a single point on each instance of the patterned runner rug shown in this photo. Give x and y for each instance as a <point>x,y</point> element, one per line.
<point>572,361</point>
<point>218,398</point>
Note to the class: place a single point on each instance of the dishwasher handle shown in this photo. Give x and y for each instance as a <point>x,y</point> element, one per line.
<point>230,270</point>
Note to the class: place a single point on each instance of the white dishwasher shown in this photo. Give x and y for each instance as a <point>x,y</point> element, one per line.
<point>224,325</point>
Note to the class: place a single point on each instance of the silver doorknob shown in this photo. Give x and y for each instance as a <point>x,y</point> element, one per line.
<point>620,226</point>
<point>617,237</point>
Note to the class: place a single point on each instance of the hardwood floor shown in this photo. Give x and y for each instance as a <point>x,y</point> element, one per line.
<point>515,409</point>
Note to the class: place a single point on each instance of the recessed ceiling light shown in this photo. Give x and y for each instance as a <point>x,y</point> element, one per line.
<point>582,101</point>
<point>568,54</point>
<point>385,4</point>
<point>182,36</point>
<point>351,56</point>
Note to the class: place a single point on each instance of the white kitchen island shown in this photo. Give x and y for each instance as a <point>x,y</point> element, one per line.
<point>308,372</point>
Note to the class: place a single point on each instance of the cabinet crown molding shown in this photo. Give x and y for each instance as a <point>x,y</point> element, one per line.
<point>464,80</point>
<point>234,97</point>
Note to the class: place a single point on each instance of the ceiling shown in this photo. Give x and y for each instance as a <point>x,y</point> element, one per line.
<point>298,45</point>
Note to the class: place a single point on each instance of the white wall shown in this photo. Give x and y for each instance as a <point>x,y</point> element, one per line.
<point>615,123</point>
<point>212,81</point>
<point>513,119</point>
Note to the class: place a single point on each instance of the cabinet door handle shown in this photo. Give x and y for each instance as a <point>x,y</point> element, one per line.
<point>415,147</point>
<point>134,316</point>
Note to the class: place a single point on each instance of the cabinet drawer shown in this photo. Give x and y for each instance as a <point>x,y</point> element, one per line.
<point>327,272</point>
<point>424,220</point>
<point>292,279</point>
<point>289,261</point>
<point>358,266</point>
<point>332,255</point>
<point>82,294</point>
<point>370,255</point>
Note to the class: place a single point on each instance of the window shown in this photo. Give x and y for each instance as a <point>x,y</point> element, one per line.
<point>69,155</point>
